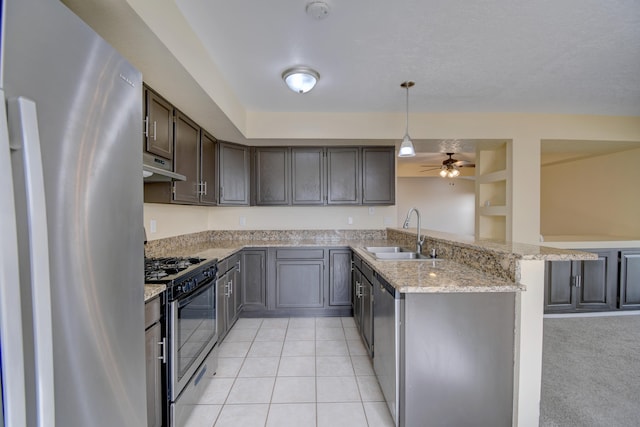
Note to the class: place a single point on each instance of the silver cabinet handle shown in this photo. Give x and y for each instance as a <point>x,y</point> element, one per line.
<point>238,266</point>
<point>146,127</point>
<point>154,129</point>
<point>204,192</point>
<point>163,353</point>
<point>230,287</point>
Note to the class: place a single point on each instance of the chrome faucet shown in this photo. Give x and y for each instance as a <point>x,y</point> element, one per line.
<point>419,240</point>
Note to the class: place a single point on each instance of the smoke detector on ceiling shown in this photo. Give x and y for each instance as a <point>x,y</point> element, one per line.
<point>318,9</point>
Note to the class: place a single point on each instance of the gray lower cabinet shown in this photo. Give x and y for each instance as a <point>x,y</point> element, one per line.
<point>228,294</point>
<point>340,277</point>
<point>254,279</point>
<point>296,281</point>
<point>271,176</point>
<point>154,343</point>
<point>299,283</point>
<point>233,174</point>
<point>363,279</point>
<point>630,279</point>
<point>456,359</point>
<point>582,285</point>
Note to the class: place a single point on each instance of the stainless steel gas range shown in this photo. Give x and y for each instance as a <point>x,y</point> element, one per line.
<point>191,326</point>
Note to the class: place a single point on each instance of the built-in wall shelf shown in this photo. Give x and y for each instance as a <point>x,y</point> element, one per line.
<point>493,191</point>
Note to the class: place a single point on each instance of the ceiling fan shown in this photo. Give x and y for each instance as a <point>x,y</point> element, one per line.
<point>450,167</point>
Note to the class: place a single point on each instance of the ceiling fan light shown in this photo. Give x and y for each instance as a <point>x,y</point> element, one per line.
<point>443,172</point>
<point>406,148</point>
<point>300,79</point>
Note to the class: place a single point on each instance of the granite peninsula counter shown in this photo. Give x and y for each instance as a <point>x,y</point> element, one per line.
<point>465,264</point>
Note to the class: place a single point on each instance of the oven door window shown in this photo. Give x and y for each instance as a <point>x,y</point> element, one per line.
<point>196,325</point>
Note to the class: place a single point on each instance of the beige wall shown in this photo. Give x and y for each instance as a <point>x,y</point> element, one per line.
<point>598,196</point>
<point>444,204</point>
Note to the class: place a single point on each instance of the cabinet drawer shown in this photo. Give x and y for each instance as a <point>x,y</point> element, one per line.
<point>228,263</point>
<point>300,254</point>
<point>357,261</point>
<point>152,312</point>
<point>367,271</point>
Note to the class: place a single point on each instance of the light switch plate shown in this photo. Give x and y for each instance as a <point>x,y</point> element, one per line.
<point>153,226</point>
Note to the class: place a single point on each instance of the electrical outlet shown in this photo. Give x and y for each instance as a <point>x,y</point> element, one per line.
<point>372,210</point>
<point>153,226</point>
<point>350,220</point>
<point>243,221</point>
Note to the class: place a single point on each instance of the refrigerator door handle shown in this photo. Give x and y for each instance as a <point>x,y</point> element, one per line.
<point>13,373</point>
<point>25,141</point>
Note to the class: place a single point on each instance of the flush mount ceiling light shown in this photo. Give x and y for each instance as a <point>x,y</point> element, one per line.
<point>300,79</point>
<point>406,147</point>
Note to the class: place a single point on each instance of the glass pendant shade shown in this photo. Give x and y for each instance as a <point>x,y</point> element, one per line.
<point>406,148</point>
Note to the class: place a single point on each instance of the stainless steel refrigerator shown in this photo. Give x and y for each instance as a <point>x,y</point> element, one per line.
<point>71,237</point>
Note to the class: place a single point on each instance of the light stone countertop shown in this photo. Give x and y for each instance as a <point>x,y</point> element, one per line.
<point>406,276</point>
<point>153,290</point>
<point>468,265</point>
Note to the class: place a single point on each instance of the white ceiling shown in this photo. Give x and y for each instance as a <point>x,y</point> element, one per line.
<point>542,56</point>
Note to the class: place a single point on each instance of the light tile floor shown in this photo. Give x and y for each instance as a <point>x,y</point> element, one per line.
<point>298,372</point>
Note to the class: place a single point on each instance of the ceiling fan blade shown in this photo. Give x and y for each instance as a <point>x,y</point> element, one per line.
<point>465,163</point>
<point>429,170</point>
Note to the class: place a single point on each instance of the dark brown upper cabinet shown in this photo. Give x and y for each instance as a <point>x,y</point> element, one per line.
<point>308,176</point>
<point>378,176</point>
<point>158,125</point>
<point>272,178</point>
<point>208,169</point>
<point>233,174</point>
<point>343,176</point>
<point>187,160</point>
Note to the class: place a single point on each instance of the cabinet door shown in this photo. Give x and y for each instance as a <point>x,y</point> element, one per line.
<point>299,283</point>
<point>378,176</point>
<point>307,170</point>
<point>597,282</point>
<point>558,289</point>
<point>339,277</point>
<point>187,159</point>
<point>153,336</point>
<point>254,278</point>
<point>207,169</point>
<point>221,306</point>
<point>357,297</point>
<point>236,296</point>
<point>158,125</point>
<point>233,174</point>
<point>367,314</point>
<point>630,279</point>
<point>343,176</point>
<point>272,177</point>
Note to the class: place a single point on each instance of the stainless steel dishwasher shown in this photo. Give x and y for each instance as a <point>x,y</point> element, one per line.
<point>386,330</point>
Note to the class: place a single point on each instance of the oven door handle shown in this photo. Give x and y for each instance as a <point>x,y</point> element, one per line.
<point>204,287</point>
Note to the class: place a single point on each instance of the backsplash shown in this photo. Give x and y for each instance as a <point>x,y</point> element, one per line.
<point>160,247</point>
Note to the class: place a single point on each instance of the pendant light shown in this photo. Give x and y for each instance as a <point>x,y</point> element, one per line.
<point>406,147</point>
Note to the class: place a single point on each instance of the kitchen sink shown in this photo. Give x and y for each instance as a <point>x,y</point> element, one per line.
<point>396,253</point>
<point>385,249</point>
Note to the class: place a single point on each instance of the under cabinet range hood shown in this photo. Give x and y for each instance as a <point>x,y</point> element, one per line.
<point>157,169</point>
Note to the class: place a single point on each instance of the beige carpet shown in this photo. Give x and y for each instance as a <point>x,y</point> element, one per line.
<point>591,372</point>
